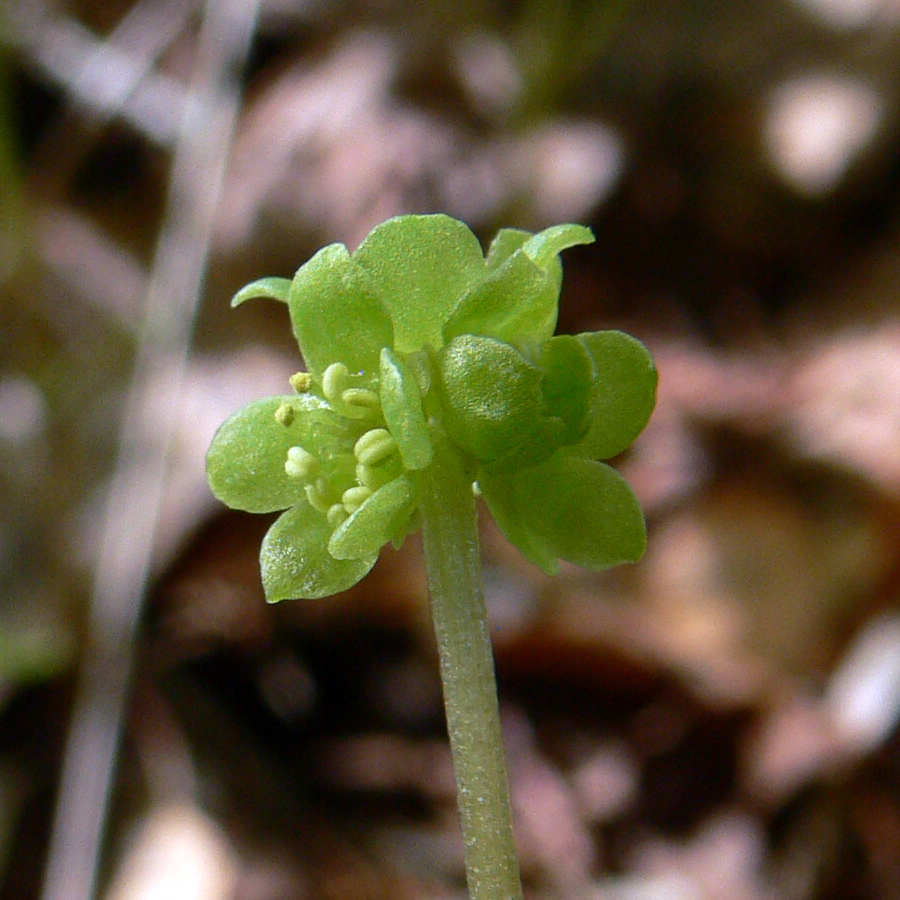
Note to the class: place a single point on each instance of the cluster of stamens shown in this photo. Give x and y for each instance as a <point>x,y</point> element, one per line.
<point>375,450</point>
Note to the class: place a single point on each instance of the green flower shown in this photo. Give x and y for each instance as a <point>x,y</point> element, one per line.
<point>419,336</point>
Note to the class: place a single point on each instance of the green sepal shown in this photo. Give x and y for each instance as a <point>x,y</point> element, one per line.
<point>504,244</point>
<point>295,562</point>
<point>420,266</point>
<point>268,288</point>
<point>336,314</point>
<point>401,404</point>
<point>376,522</point>
<point>544,247</point>
<point>584,510</point>
<point>577,509</point>
<point>492,396</point>
<point>567,385</point>
<point>245,462</point>
<point>517,301</point>
<point>498,488</point>
<point>623,395</point>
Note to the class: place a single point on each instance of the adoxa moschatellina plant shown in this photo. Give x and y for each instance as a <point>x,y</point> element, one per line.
<point>433,375</point>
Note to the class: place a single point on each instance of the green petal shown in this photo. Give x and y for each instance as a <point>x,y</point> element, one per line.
<point>376,522</point>
<point>624,392</point>
<point>492,396</point>
<point>420,266</point>
<point>573,508</point>
<point>401,404</point>
<point>295,561</point>
<point>245,463</point>
<point>269,288</point>
<point>516,302</point>
<point>336,314</point>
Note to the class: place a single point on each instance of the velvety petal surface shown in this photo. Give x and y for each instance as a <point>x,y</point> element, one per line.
<point>336,314</point>
<point>569,507</point>
<point>500,493</point>
<point>420,266</point>
<point>623,395</point>
<point>375,523</point>
<point>295,562</point>
<point>504,244</point>
<point>401,403</point>
<point>245,463</point>
<point>566,385</point>
<point>492,395</point>
<point>269,288</point>
<point>545,246</point>
<point>519,298</point>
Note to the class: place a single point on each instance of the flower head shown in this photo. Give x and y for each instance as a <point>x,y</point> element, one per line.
<point>416,332</point>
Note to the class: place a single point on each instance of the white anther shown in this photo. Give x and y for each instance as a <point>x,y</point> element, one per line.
<point>369,477</point>
<point>362,398</point>
<point>353,498</point>
<point>374,446</point>
<point>284,415</point>
<point>301,382</point>
<point>334,381</point>
<point>301,464</point>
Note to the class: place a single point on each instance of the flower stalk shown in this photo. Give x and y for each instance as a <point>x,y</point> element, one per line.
<point>453,562</point>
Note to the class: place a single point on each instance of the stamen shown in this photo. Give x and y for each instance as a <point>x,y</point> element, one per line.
<point>374,446</point>
<point>284,415</point>
<point>301,382</point>
<point>319,495</point>
<point>353,498</point>
<point>335,381</point>
<point>369,477</point>
<point>301,464</point>
<point>360,402</point>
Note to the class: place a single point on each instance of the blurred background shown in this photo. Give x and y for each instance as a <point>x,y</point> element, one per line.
<point>717,721</point>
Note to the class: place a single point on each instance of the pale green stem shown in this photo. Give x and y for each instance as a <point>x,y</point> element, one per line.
<point>453,561</point>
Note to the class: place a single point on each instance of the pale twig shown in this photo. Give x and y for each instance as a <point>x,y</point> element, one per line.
<point>113,76</point>
<point>135,494</point>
